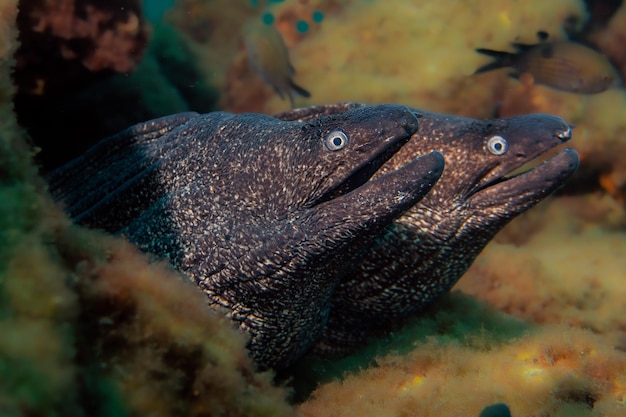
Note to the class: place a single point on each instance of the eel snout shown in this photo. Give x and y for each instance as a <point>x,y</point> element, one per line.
<point>523,145</point>
<point>519,192</point>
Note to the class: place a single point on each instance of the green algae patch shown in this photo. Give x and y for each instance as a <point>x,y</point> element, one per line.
<point>90,326</point>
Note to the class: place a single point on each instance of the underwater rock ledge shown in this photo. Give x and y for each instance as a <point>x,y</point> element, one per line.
<point>90,326</point>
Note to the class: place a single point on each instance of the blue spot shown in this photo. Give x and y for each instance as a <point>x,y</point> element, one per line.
<point>267,18</point>
<point>276,1</point>
<point>254,3</point>
<point>317,16</point>
<point>302,26</point>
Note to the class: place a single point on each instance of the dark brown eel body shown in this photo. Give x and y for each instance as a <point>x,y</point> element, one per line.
<point>422,254</point>
<point>308,238</point>
<point>265,216</point>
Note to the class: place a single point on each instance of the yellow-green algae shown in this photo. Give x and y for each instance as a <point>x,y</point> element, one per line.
<point>456,319</point>
<point>89,326</point>
<point>569,269</point>
<point>552,371</point>
<point>461,355</point>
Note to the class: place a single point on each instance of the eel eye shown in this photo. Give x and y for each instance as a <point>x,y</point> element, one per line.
<point>497,145</point>
<point>336,140</point>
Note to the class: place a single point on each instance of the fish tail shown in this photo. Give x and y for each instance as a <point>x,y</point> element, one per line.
<point>299,90</point>
<point>501,60</point>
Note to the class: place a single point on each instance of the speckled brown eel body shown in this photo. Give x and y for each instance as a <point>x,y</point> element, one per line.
<point>422,254</point>
<point>309,238</point>
<point>265,216</point>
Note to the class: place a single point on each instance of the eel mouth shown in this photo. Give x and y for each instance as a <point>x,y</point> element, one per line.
<point>546,164</point>
<point>530,182</point>
<point>365,170</point>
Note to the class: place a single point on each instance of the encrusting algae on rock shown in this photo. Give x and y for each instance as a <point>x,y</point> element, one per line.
<point>553,371</point>
<point>546,278</point>
<point>90,327</point>
<point>90,319</point>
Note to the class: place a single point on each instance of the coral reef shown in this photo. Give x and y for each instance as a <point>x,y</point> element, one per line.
<point>455,318</point>
<point>66,47</point>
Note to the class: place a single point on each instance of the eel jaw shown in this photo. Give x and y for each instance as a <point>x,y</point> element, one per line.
<point>520,191</point>
<point>363,172</point>
<point>523,164</point>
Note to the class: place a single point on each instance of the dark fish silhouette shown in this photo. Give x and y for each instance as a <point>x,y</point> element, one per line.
<point>496,410</point>
<point>265,216</point>
<point>422,254</point>
<point>562,65</point>
<point>269,58</point>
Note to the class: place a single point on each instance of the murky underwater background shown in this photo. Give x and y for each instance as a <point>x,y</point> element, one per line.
<point>538,322</point>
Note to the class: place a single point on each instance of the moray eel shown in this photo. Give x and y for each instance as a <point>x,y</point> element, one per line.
<point>423,253</point>
<point>265,216</point>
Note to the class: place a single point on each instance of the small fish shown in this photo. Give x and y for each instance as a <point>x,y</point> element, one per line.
<point>269,58</point>
<point>562,65</point>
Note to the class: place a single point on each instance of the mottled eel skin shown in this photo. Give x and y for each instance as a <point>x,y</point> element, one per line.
<point>422,254</point>
<point>265,216</point>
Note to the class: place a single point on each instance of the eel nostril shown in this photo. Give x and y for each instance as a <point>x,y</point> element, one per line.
<point>410,122</point>
<point>564,134</point>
